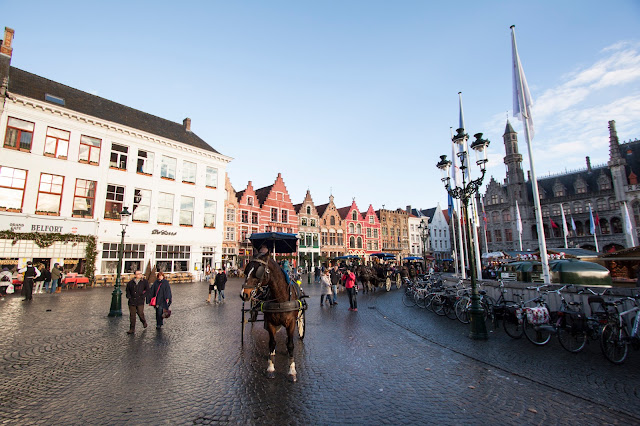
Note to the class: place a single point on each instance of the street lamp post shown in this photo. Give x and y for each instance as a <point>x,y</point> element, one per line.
<point>424,235</point>
<point>464,193</point>
<point>116,296</point>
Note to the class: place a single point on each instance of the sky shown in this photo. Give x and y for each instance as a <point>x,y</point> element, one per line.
<point>350,98</point>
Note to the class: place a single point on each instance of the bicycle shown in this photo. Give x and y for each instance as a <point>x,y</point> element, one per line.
<point>616,338</point>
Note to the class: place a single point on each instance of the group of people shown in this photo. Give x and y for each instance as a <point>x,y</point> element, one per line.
<point>217,283</point>
<point>158,296</point>
<point>330,278</point>
<point>35,279</point>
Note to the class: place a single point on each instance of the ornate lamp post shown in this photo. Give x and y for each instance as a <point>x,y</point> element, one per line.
<point>116,296</point>
<point>424,235</point>
<point>464,193</point>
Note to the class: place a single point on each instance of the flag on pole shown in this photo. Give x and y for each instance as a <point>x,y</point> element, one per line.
<point>450,205</point>
<point>522,101</point>
<point>597,220</point>
<point>564,223</point>
<point>592,225</point>
<point>627,221</point>
<point>573,224</point>
<point>484,214</point>
<point>518,219</point>
<point>456,173</point>
<point>553,224</point>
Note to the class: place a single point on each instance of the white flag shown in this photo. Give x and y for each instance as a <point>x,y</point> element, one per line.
<point>564,223</point>
<point>455,169</point>
<point>518,220</point>
<point>522,101</point>
<point>627,222</point>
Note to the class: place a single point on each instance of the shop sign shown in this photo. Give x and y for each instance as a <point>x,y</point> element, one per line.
<point>162,232</point>
<point>44,226</point>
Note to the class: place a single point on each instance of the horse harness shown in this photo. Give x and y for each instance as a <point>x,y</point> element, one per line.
<point>262,291</point>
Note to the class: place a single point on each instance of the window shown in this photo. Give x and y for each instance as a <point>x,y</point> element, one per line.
<point>211,179</point>
<point>249,201</point>
<point>601,204</point>
<point>118,159</point>
<point>604,226</point>
<point>577,207</point>
<point>308,209</point>
<point>555,209</point>
<point>12,184</point>
<point>285,216</point>
<point>133,257</point>
<point>506,216</point>
<point>168,168</point>
<point>369,233</point>
<point>54,99</point>
<point>113,204</point>
<point>188,172</point>
<point>354,215</point>
<point>508,235</point>
<point>141,205</point>
<point>274,215</point>
<point>352,242</point>
<point>375,245</point>
<point>332,237</point>
<point>351,228</point>
<point>145,162</point>
<point>303,221</point>
<point>498,235</point>
<point>165,208</point>
<point>57,143</point>
<point>302,240</point>
<point>359,229</point>
<point>359,242</point>
<point>332,221</point>
<point>494,199</point>
<point>371,219</point>
<point>231,215</point>
<point>244,216</point>
<point>230,234</point>
<point>19,134</point>
<point>313,222</point>
<point>375,233</point>
<point>89,150</point>
<point>324,239</point>
<point>210,208</point>
<point>308,238</point>
<point>254,217</point>
<point>84,198</point>
<point>616,225</point>
<point>495,217</point>
<point>172,258</point>
<point>49,193</point>
<point>340,238</point>
<point>545,211</point>
<point>369,245</point>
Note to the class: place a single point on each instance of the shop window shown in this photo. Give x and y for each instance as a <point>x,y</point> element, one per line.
<point>49,194</point>
<point>113,205</point>
<point>119,155</point>
<point>89,150</point>
<point>84,198</point>
<point>189,172</point>
<point>19,134</point>
<point>172,258</point>
<point>141,205</point>
<point>12,184</point>
<point>57,143</point>
<point>210,213</point>
<point>186,210</point>
<point>165,208</point>
<point>145,162</point>
<point>211,179</point>
<point>168,168</point>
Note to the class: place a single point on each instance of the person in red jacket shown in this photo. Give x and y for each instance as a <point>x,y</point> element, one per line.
<point>349,279</point>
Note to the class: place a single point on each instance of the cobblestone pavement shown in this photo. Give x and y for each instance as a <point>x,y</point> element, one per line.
<point>65,362</point>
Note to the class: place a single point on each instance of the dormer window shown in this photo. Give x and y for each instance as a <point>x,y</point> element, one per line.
<point>580,186</point>
<point>604,182</point>
<point>559,190</point>
<point>54,99</point>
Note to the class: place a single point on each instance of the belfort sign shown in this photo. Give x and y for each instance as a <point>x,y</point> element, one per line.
<point>44,226</point>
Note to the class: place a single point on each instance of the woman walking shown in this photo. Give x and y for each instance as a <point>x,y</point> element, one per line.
<point>350,284</point>
<point>162,293</point>
<point>325,280</point>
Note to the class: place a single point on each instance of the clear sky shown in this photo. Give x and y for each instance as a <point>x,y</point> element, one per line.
<point>352,97</point>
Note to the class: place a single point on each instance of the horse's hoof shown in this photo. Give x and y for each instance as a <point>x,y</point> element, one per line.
<point>293,378</point>
<point>271,374</point>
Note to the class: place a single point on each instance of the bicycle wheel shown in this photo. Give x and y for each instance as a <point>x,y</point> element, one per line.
<point>572,340</point>
<point>512,326</point>
<point>537,334</point>
<point>426,301</point>
<point>437,305</point>
<point>462,310</point>
<point>614,343</point>
<point>408,299</point>
<point>488,303</point>
<point>450,308</point>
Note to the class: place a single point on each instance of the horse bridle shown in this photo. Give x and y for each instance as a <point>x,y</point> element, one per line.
<point>261,273</point>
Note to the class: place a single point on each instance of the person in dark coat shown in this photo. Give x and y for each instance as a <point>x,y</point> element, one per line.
<point>30,274</point>
<point>161,290</point>
<point>221,282</point>
<point>136,292</point>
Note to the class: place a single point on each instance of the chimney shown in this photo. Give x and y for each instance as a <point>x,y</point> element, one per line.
<point>409,209</point>
<point>186,123</point>
<point>6,48</point>
<point>588,164</point>
<point>529,175</point>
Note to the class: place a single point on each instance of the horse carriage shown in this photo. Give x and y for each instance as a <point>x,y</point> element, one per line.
<point>270,295</point>
<point>379,275</point>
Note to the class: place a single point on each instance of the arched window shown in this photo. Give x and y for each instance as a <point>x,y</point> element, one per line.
<point>354,215</point>
<point>579,229</point>
<point>506,215</point>
<point>359,242</point>
<point>351,228</point>
<point>352,242</point>
<point>604,226</point>
<point>495,217</point>
<point>332,221</point>
<point>616,225</point>
<point>359,229</point>
<point>308,209</point>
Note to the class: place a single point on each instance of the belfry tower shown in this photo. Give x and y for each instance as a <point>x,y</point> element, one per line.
<point>513,161</point>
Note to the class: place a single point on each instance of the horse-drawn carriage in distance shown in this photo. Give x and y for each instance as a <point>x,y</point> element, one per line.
<point>272,295</point>
<point>380,274</point>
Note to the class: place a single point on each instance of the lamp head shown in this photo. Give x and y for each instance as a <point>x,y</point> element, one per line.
<point>125,216</point>
<point>460,137</point>
<point>444,165</point>
<point>480,146</point>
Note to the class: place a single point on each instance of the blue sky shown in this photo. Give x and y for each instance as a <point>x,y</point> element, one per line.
<point>351,97</point>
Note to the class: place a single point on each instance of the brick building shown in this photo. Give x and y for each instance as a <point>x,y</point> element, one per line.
<point>332,230</point>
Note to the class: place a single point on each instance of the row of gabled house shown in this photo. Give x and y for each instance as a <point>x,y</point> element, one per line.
<point>327,231</point>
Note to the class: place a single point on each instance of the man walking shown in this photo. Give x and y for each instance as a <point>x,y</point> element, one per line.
<point>335,280</point>
<point>221,282</point>
<point>136,293</point>
<point>56,274</point>
<point>30,274</point>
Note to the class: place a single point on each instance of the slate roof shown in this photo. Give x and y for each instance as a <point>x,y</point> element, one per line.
<point>321,209</point>
<point>297,207</point>
<point>630,151</point>
<point>263,193</point>
<point>568,180</point>
<point>33,86</point>
<point>343,211</point>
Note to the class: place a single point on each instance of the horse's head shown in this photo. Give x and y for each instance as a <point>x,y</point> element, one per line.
<point>257,273</point>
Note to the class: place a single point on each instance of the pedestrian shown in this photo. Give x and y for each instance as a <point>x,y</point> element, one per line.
<point>207,273</point>
<point>6,280</point>
<point>349,279</point>
<point>212,287</point>
<point>161,291</point>
<point>325,280</point>
<point>221,282</point>
<point>39,281</point>
<point>47,278</point>
<point>30,274</point>
<point>335,279</point>
<point>317,275</point>
<point>56,274</point>
<point>136,292</point>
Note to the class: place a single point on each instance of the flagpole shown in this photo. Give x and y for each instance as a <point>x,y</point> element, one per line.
<point>534,181</point>
<point>593,226</point>
<point>565,231</point>
<point>484,219</point>
<point>628,224</point>
<point>452,219</point>
<point>456,205</point>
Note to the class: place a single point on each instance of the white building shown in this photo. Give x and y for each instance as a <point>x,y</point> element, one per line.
<point>70,161</point>
<point>439,233</point>
<point>416,235</point>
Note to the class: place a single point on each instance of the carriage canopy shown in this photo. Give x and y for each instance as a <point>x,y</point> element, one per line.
<point>277,242</point>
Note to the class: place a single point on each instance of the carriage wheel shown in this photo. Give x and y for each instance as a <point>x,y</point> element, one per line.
<point>388,284</point>
<point>398,281</point>
<point>301,322</point>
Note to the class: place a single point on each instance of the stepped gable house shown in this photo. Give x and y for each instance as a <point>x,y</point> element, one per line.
<point>309,229</point>
<point>332,230</point>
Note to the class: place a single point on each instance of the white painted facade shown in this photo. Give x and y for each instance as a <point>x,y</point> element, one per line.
<point>439,235</point>
<point>415,236</point>
<point>150,236</point>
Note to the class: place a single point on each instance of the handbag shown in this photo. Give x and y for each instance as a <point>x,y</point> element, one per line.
<point>153,299</point>
<point>166,313</point>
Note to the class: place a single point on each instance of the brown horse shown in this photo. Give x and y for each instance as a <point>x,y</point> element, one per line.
<point>279,301</point>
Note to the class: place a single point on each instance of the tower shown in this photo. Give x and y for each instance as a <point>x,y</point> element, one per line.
<point>513,161</point>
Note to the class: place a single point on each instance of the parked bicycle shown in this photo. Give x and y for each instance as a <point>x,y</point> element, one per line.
<point>617,336</point>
